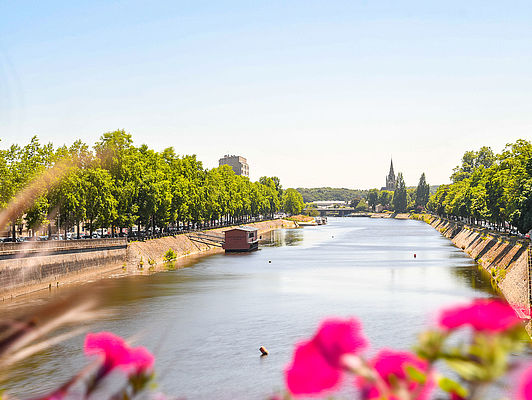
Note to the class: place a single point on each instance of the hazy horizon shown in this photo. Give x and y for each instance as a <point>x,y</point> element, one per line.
<point>318,95</point>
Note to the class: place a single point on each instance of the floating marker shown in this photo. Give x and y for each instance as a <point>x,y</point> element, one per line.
<point>263,350</point>
<point>415,255</point>
<point>269,261</point>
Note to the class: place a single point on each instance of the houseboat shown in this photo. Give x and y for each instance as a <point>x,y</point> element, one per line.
<point>242,238</point>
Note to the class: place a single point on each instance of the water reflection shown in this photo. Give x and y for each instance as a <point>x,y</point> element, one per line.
<point>475,277</point>
<point>282,237</point>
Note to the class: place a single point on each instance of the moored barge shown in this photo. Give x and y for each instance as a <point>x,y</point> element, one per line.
<point>240,239</point>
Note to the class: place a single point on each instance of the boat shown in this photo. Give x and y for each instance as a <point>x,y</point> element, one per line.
<point>241,239</point>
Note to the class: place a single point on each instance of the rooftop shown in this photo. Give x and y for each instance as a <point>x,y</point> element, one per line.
<point>244,228</point>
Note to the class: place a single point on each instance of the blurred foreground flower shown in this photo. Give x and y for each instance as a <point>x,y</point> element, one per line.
<point>318,363</point>
<point>524,390</point>
<point>482,315</point>
<point>478,357</point>
<point>402,375</point>
<point>116,353</point>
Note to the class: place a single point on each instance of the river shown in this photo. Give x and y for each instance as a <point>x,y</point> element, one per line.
<point>206,322</point>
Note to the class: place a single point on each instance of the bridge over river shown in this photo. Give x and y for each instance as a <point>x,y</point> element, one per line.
<point>334,212</point>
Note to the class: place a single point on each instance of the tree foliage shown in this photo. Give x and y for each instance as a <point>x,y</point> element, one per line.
<point>490,189</point>
<point>400,200</point>
<point>328,193</point>
<point>117,185</point>
<point>422,192</point>
<point>292,202</point>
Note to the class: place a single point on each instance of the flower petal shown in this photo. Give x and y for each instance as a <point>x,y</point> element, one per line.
<point>309,372</point>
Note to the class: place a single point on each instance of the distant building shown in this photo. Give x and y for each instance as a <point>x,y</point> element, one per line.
<point>239,164</point>
<point>390,179</point>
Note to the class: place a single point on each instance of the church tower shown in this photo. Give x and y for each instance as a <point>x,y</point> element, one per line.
<point>390,179</point>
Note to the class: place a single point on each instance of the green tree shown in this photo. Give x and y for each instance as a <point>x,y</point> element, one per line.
<point>385,198</point>
<point>400,195</point>
<point>292,202</point>
<point>422,192</point>
<point>115,153</point>
<point>362,205</point>
<point>373,198</point>
<point>97,189</point>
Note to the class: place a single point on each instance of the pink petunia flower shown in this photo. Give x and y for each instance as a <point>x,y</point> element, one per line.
<point>392,366</point>
<point>116,353</point>
<point>524,389</point>
<point>317,363</point>
<point>482,315</point>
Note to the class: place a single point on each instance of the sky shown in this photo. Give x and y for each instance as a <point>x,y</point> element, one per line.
<point>318,93</point>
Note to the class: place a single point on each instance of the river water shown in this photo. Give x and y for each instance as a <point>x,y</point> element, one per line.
<point>206,322</point>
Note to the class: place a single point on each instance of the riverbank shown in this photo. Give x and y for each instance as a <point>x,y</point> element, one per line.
<point>390,215</point>
<point>34,266</point>
<point>149,256</point>
<point>504,258</point>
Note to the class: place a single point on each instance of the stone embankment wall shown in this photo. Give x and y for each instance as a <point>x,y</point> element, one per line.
<point>143,255</point>
<point>30,266</point>
<point>504,257</point>
<point>390,215</point>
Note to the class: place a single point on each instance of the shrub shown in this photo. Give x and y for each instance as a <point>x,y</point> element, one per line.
<point>170,255</point>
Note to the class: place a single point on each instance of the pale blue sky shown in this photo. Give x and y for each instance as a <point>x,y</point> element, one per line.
<point>317,93</point>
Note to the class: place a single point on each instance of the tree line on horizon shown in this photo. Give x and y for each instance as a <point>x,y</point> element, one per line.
<point>488,188</point>
<point>117,185</point>
<point>402,199</point>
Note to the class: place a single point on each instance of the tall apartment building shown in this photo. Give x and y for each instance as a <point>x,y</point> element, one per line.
<point>239,164</point>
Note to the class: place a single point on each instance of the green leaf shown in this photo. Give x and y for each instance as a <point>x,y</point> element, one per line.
<point>416,375</point>
<point>450,386</point>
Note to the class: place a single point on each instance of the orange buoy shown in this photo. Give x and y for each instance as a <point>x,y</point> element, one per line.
<point>415,255</point>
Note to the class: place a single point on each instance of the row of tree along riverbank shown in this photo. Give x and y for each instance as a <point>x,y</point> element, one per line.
<point>504,257</point>
<point>115,185</point>
<point>488,188</point>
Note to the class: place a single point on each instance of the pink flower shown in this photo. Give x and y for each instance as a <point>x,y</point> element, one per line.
<point>388,363</point>
<point>524,390</point>
<point>317,364</point>
<point>482,315</point>
<point>116,353</point>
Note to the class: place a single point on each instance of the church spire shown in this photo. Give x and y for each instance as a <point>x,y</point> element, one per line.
<point>390,179</point>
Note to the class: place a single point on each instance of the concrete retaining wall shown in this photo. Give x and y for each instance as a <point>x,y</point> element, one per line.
<point>504,257</point>
<point>142,255</point>
<point>30,266</point>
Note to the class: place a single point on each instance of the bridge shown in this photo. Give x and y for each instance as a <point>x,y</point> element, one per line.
<point>333,212</point>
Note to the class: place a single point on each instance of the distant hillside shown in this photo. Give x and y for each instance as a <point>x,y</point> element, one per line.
<point>432,190</point>
<point>343,194</point>
<point>328,193</point>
